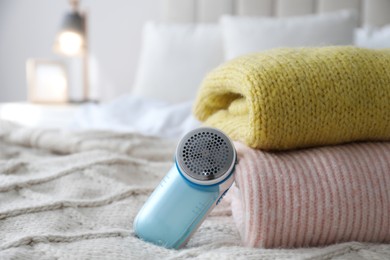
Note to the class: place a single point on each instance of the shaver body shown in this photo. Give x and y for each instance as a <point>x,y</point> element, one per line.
<point>181,202</point>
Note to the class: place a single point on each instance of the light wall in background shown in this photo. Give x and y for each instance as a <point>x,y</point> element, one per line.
<point>28,29</point>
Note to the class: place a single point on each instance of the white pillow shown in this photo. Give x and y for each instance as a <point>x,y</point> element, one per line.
<point>242,35</point>
<point>374,38</point>
<point>175,58</point>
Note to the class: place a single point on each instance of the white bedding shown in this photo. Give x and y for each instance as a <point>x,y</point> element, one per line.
<point>138,114</point>
<point>70,195</point>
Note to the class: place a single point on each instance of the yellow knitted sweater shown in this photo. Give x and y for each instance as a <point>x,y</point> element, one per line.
<point>299,97</point>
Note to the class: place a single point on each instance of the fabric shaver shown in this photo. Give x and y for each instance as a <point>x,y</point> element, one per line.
<point>203,172</point>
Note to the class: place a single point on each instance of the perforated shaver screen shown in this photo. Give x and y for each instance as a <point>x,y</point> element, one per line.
<point>205,154</point>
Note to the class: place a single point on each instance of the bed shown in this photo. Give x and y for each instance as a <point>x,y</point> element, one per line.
<point>72,193</point>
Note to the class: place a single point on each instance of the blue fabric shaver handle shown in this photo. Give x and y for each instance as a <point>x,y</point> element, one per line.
<point>176,208</point>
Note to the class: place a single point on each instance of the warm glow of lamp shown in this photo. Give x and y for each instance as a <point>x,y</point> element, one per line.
<point>72,40</point>
<point>70,43</point>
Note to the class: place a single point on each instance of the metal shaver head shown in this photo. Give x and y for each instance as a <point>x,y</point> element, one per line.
<point>205,155</point>
<point>202,174</point>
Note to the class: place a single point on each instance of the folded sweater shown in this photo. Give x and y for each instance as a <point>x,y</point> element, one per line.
<point>300,97</point>
<point>313,197</point>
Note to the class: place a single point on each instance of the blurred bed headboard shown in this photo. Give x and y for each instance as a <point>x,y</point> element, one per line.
<point>372,12</point>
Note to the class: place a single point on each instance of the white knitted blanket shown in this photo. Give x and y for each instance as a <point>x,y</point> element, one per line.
<point>74,196</point>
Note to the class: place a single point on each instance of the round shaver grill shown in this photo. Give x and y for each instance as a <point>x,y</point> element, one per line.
<point>205,154</point>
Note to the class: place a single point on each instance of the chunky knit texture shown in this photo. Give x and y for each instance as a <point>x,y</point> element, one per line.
<point>313,197</point>
<point>289,98</point>
<point>75,196</point>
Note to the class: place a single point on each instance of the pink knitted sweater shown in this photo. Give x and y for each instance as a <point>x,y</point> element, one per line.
<point>313,197</point>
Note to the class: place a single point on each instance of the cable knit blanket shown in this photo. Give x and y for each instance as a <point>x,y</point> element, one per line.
<point>74,196</point>
<point>300,97</point>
